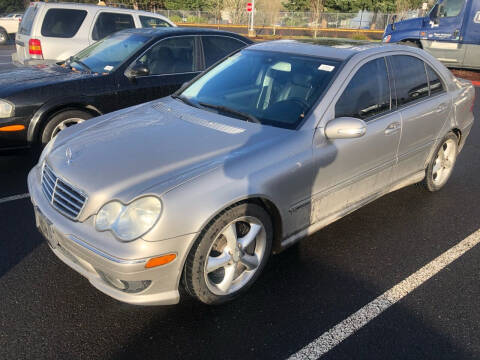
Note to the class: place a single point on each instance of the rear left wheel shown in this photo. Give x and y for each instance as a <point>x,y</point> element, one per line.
<point>3,37</point>
<point>229,255</point>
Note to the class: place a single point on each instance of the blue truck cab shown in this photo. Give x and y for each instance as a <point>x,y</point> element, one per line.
<point>450,32</point>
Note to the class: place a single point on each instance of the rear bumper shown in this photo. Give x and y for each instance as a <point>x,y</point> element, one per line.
<point>465,132</point>
<point>109,272</point>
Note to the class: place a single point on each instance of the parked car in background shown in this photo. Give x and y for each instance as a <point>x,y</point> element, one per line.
<point>269,146</point>
<point>51,32</point>
<point>127,68</point>
<point>450,32</point>
<point>9,26</point>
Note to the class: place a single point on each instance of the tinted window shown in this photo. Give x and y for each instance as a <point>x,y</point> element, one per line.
<point>434,81</point>
<point>367,94</point>
<point>152,22</point>
<point>27,21</point>
<point>171,56</point>
<point>450,8</point>
<point>109,23</point>
<point>62,23</point>
<point>217,47</point>
<point>410,78</point>
<point>278,89</point>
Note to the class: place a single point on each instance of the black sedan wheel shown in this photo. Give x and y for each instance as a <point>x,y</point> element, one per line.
<point>61,121</point>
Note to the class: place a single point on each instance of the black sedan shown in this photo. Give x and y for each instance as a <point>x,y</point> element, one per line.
<point>128,68</point>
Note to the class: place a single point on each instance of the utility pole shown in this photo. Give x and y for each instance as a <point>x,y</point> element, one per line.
<point>251,9</point>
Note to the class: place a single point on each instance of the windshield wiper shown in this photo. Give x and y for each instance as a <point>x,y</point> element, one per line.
<point>184,100</point>
<point>73,59</point>
<point>236,113</point>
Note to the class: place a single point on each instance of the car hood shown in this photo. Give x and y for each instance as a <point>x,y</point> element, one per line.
<point>159,144</point>
<point>415,24</point>
<point>25,77</point>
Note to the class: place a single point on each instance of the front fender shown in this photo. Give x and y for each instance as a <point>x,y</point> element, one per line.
<point>54,105</point>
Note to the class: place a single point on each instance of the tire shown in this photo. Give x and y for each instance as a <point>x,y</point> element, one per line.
<point>3,37</point>
<point>225,241</point>
<point>61,120</point>
<point>442,163</point>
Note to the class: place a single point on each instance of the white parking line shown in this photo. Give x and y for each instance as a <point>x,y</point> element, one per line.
<point>9,63</point>
<point>362,317</point>
<point>14,197</point>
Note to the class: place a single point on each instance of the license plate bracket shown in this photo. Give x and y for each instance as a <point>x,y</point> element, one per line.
<point>46,228</point>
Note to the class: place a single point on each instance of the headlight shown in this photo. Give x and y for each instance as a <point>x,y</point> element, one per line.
<point>129,222</point>
<point>6,109</point>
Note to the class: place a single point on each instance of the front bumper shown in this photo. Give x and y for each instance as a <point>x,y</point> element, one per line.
<point>103,268</point>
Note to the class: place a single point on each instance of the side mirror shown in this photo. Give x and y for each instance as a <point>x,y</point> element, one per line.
<point>137,70</point>
<point>394,20</point>
<point>345,128</point>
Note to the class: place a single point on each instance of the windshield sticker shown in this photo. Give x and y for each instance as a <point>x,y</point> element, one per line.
<point>108,68</point>
<point>325,67</point>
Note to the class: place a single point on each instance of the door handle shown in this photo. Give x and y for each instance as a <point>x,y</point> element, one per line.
<point>392,128</point>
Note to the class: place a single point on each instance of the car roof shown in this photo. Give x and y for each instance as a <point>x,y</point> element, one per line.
<point>339,50</point>
<point>71,5</point>
<point>162,31</point>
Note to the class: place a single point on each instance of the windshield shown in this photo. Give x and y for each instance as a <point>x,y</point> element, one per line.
<point>108,54</point>
<point>271,88</point>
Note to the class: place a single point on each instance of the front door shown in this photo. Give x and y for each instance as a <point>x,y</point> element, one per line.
<point>444,30</point>
<point>351,171</point>
<point>171,62</point>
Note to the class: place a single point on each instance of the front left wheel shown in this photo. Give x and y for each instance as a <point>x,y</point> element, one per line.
<point>61,121</point>
<point>3,37</point>
<point>229,255</point>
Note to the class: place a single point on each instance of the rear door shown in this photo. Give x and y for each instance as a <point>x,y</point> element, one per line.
<point>25,30</point>
<point>171,62</point>
<point>424,106</point>
<point>216,47</point>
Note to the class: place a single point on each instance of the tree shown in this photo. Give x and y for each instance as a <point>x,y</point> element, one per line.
<point>7,6</point>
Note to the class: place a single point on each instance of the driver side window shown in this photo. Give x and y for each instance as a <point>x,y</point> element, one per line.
<point>450,8</point>
<point>368,93</point>
<point>170,56</point>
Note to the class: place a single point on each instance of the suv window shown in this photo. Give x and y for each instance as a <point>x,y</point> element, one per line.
<point>436,85</point>
<point>153,22</point>
<point>109,23</point>
<point>62,23</point>
<point>410,78</point>
<point>367,94</point>
<point>170,56</point>
<point>217,47</point>
<point>27,21</point>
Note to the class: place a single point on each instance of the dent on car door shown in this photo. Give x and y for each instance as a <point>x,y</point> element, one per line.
<point>353,170</point>
<point>168,64</point>
<point>424,107</point>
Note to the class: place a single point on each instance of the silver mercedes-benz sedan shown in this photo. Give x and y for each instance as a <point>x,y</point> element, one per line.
<point>268,146</point>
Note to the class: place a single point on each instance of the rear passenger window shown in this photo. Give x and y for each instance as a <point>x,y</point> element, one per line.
<point>109,23</point>
<point>217,47</point>
<point>152,22</point>
<point>62,23</point>
<point>410,78</point>
<point>367,94</point>
<point>434,81</point>
<point>171,56</point>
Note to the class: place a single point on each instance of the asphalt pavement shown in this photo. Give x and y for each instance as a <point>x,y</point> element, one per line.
<point>48,311</point>
<point>6,57</point>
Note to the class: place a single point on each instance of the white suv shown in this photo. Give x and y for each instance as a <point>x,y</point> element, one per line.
<point>51,32</point>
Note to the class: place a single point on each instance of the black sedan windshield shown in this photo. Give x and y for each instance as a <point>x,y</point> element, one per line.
<point>106,55</point>
<point>271,88</point>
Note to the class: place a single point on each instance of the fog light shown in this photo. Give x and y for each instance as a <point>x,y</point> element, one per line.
<point>124,285</point>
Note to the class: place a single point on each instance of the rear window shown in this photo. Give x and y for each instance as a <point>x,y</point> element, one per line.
<point>410,78</point>
<point>109,23</point>
<point>27,21</point>
<point>217,47</point>
<point>62,23</point>
<point>152,22</point>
